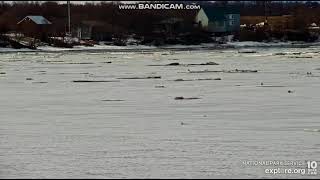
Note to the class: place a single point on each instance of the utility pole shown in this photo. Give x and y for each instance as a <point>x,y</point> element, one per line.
<point>69,19</point>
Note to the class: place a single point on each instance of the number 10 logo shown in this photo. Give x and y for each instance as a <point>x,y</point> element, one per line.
<point>312,164</point>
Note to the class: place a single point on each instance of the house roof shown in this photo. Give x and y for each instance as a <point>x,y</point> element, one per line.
<point>218,13</point>
<point>40,20</point>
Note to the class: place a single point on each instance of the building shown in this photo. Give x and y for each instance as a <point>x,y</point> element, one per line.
<point>223,20</point>
<point>35,26</point>
<point>93,30</point>
<point>168,26</point>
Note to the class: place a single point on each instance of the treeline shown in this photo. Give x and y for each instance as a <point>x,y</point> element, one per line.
<point>139,21</point>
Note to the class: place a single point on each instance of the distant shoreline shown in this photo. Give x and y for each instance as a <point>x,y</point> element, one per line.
<point>144,48</point>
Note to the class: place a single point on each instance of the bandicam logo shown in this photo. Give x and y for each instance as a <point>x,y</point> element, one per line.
<point>165,6</point>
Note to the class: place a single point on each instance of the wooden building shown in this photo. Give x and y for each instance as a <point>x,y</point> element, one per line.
<point>35,27</point>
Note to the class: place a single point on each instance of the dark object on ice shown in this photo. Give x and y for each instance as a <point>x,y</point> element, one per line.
<point>149,77</point>
<point>209,79</point>
<point>173,64</point>
<point>29,79</point>
<point>261,84</point>
<point>179,98</point>
<point>300,56</point>
<point>203,64</point>
<point>183,98</point>
<point>178,64</point>
<point>78,63</point>
<point>87,81</point>
<point>159,86</point>
<point>108,62</point>
<point>40,82</point>
<point>182,80</point>
<point>112,100</point>
<point>309,73</point>
<point>242,71</point>
<point>205,71</point>
<point>73,73</point>
<point>270,86</point>
<point>289,91</point>
<point>204,79</point>
<point>2,73</point>
<point>170,64</point>
<point>182,123</point>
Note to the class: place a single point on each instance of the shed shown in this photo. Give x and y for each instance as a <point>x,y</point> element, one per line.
<point>35,26</point>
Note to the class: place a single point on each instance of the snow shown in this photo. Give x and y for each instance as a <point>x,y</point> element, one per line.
<point>228,44</point>
<point>62,129</point>
<point>258,44</point>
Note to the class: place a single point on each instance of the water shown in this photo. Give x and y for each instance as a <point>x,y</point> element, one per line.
<point>52,127</point>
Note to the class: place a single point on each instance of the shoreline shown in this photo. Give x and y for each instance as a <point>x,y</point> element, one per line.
<point>144,48</point>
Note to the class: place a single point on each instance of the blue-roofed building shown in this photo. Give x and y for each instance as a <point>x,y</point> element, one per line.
<point>39,20</point>
<point>35,26</point>
<point>219,19</point>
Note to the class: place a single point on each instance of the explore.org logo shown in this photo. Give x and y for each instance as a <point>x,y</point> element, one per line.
<point>286,167</point>
<point>158,6</point>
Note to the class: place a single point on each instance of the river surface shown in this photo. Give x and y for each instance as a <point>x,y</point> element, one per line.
<point>85,115</point>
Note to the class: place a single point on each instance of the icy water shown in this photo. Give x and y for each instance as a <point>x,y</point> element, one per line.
<point>79,115</point>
